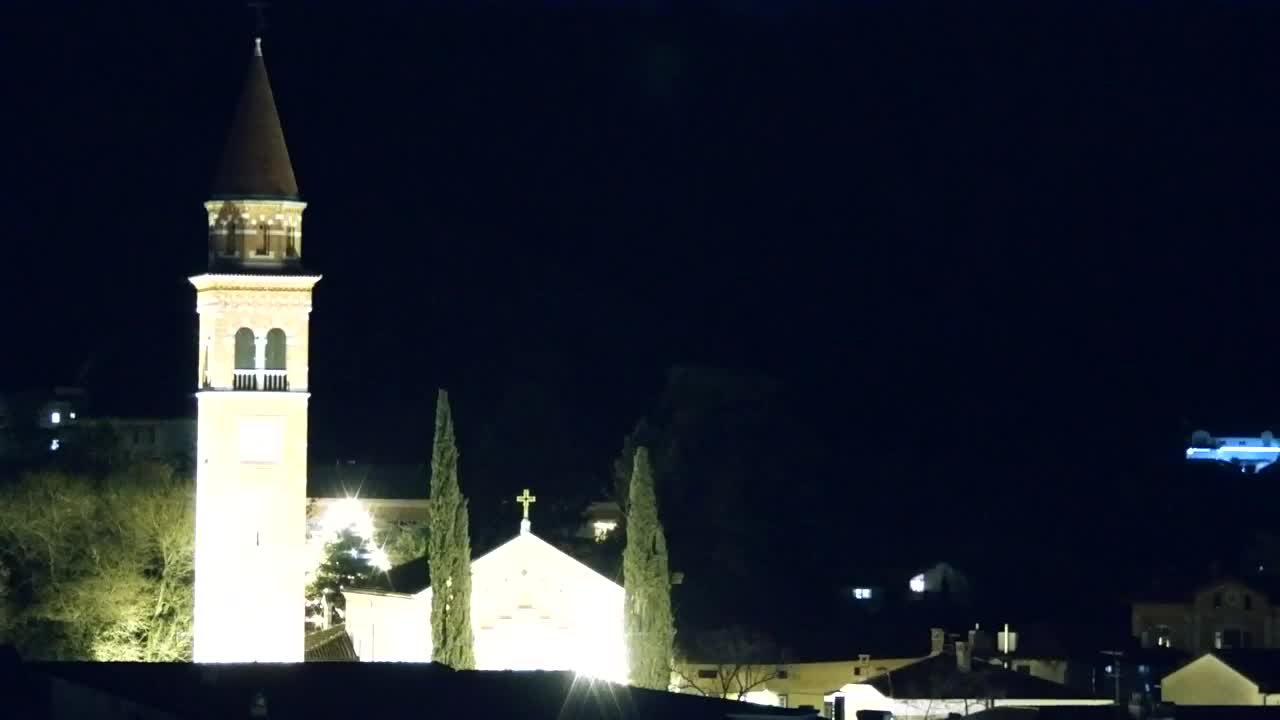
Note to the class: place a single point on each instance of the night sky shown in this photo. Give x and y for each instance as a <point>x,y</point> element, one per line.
<point>1003,258</point>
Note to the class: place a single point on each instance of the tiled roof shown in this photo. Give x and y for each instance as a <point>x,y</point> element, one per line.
<point>332,645</point>
<point>939,676</point>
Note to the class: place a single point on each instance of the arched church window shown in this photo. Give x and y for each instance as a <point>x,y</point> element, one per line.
<point>276,349</point>
<point>244,349</point>
<point>264,240</point>
<point>246,352</point>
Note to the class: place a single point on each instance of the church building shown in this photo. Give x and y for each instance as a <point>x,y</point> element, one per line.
<point>533,607</point>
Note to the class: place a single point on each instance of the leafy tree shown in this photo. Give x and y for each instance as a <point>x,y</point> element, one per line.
<point>647,581</point>
<point>404,542</point>
<point>345,561</point>
<point>101,570</point>
<point>449,551</point>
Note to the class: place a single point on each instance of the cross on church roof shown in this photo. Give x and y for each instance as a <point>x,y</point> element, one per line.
<point>526,500</point>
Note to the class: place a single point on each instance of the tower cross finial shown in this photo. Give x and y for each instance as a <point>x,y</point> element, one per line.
<point>259,21</point>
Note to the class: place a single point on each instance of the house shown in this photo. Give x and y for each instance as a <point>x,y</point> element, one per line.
<point>950,682</point>
<point>1226,677</point>
<point>167,440</point>
<point>316,691</point>
<point>1228,613</point>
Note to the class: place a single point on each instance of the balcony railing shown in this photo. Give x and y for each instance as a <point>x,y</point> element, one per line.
<point>270,380</point>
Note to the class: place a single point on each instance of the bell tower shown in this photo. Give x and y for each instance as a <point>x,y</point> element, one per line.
<point>254,304</point>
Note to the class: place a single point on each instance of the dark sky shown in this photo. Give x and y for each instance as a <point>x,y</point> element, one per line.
<point>1001,254</point>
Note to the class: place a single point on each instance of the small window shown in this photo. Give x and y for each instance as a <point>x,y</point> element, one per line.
<point>264,243</point>
<point>782,675</point>
<point>1217,600</point>
<point>782,701</point>
<point>857,671</point>
<point>290,244</point>
<point>708,674</point>
<point>232,245</point>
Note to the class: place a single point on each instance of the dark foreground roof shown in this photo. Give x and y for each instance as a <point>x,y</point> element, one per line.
<point>1216,712</point>
<point>940,677</point>
<point>1055,712</point>
<point>353,690</point>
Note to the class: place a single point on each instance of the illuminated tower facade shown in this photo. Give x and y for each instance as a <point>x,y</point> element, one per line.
<point>251,449</point>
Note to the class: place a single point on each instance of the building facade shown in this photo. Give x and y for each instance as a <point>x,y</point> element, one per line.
<point>254,304</point>
<point>1222,615</point>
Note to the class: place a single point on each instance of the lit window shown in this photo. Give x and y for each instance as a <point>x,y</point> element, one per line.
<point>55,417</point>
<point>862,593</point>
<point>72,416</point>
<point>54,445</point>
<point>917,583</point>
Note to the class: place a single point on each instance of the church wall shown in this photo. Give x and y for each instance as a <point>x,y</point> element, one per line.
<point>533,608</point>
<point>250,526</point>
<point>389,628</point>
<point>228,303</point>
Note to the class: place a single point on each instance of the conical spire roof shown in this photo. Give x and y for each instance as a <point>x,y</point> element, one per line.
<point>255,162</point>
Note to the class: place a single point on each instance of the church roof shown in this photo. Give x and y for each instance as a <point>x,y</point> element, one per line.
<point>255,161</point>
<point>413,577</point>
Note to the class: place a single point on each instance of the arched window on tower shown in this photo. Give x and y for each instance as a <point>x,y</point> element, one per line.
<point>264,240</point>
<point>246,350</point>
<point>276,377</point>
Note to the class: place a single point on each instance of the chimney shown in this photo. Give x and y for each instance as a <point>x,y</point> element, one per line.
<point>937,640</point>
<point>962,656</point>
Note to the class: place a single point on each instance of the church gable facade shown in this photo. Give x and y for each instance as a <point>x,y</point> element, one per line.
<point>532,608</point>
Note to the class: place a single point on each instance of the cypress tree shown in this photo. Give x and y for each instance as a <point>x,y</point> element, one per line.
<point>647,580</point>
<point>449,551</point>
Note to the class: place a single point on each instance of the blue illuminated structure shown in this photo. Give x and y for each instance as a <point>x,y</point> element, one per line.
<point>1250,454</point>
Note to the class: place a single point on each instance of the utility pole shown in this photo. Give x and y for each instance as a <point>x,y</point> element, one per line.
<point>1115,667</point>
